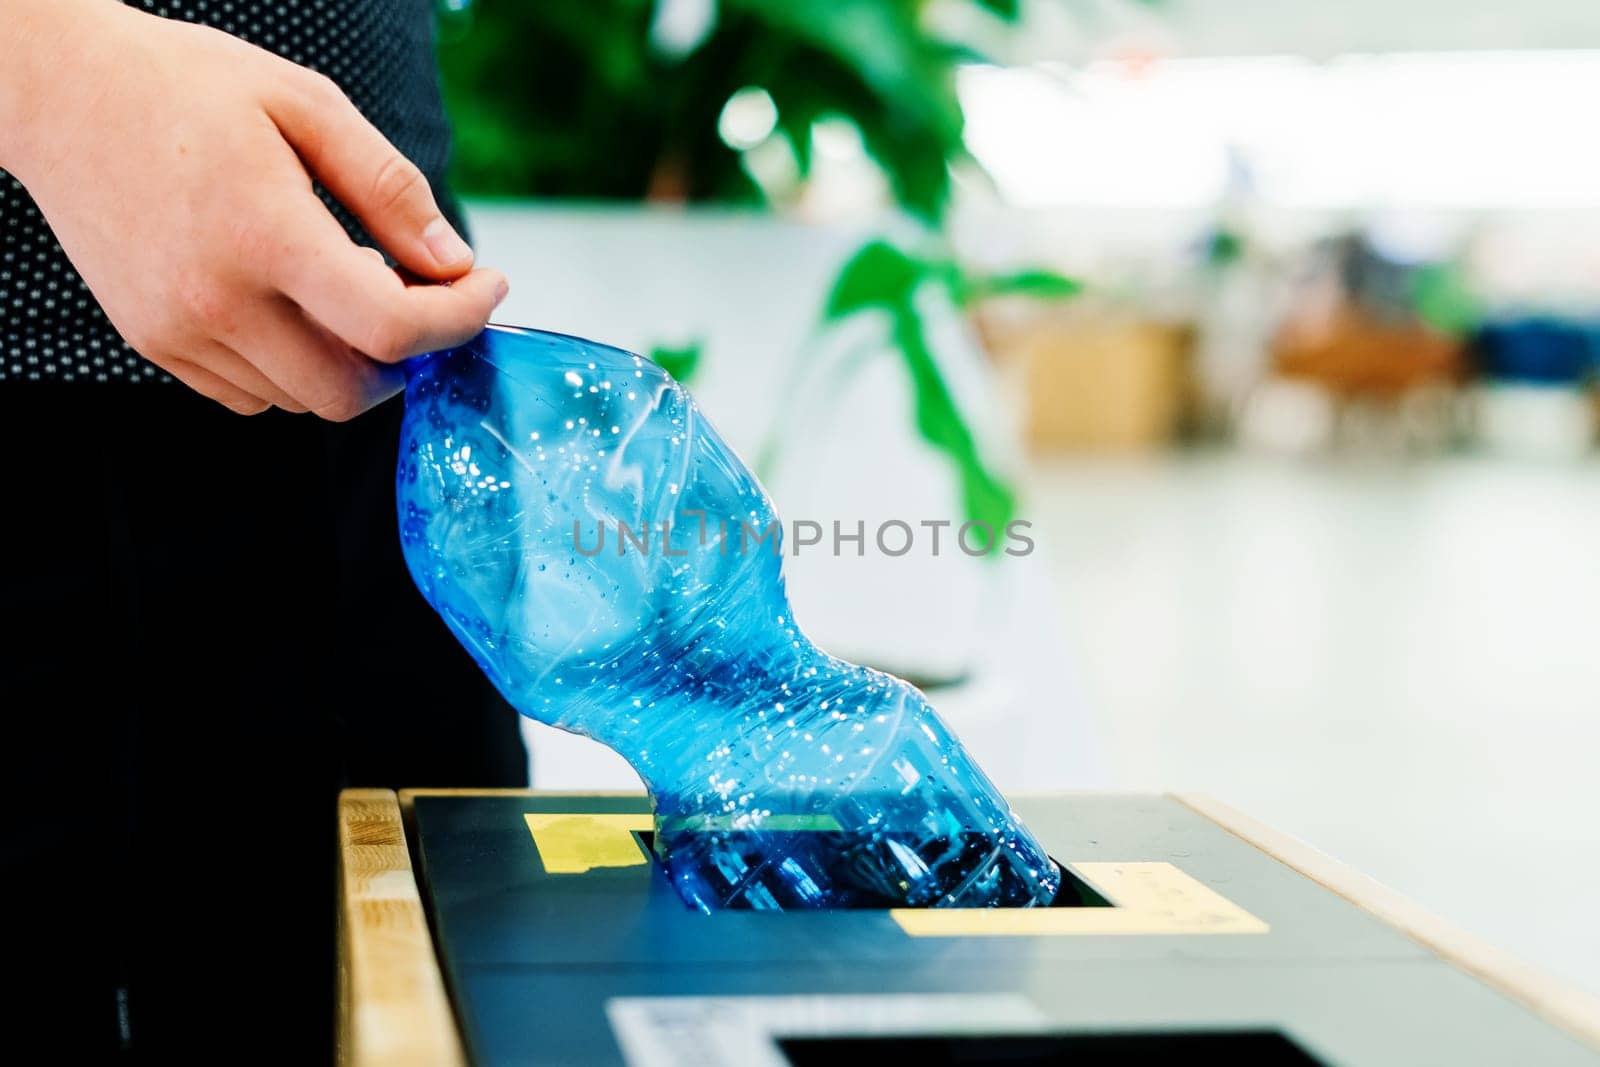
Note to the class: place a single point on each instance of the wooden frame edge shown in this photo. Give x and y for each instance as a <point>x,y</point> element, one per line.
<point>393,1009</point>
<point>1563,1006</point>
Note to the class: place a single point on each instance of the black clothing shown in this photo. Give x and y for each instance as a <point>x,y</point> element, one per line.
<point>212,630</point>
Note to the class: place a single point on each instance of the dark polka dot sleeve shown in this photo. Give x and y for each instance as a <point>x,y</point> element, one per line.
<point>379,51</point>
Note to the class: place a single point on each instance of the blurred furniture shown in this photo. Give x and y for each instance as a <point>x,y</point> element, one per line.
<point>1356,355</point>
<point>1536,400</point>
<point>1097,380</point>
<point>1355,362</point>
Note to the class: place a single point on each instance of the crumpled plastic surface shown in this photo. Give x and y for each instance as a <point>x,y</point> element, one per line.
<point>616,570</point>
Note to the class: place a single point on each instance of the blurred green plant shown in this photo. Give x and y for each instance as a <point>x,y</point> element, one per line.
<point>602,99</point>
<point>680,361</point>
<point>1444,298</point>
<point>882,277</point>
<point>592,99</point>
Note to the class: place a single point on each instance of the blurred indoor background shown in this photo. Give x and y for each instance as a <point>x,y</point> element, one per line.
<point>1279,321</point>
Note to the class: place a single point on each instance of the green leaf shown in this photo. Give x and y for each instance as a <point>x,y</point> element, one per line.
<point>1041,284</point>
<point>903,98</point>
<point>880,275</point>
<point>1443,299</point>
<point>680,361</point>
<point>1006,9</point>
<point>985,497</point>
<point>1224,248</point>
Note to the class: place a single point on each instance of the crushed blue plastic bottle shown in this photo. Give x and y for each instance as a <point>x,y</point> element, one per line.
<point>616,570</point>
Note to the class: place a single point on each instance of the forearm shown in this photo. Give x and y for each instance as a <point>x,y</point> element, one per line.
<point>45,46</point>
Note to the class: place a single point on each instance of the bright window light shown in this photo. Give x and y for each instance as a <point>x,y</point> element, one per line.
<point>1440,130</point>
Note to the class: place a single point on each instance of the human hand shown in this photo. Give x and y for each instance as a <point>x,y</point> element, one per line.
<point>175,163</point>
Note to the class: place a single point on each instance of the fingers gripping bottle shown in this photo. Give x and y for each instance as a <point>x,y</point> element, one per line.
<point>616,570</point>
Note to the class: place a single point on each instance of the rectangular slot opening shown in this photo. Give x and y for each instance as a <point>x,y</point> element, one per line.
<point>1237,1048</point>
<point>1074,891</point>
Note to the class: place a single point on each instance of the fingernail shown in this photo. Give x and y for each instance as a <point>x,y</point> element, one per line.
<point>446,245</point>
<point>501,288</point>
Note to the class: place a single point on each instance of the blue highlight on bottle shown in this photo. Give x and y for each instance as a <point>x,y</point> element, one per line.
<point>782,777</point>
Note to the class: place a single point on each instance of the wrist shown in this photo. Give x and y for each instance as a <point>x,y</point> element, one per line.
<point>43,48</point>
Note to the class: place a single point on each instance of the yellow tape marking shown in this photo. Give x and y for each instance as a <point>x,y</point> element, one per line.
<point>1147,898</point>
<point>573,844</point>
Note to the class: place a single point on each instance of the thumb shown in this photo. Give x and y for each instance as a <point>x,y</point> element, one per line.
<point>368,175</point>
